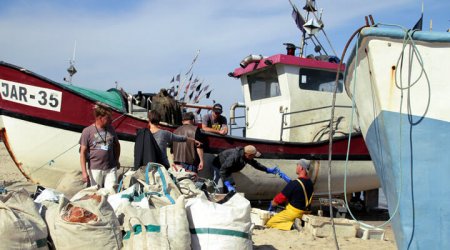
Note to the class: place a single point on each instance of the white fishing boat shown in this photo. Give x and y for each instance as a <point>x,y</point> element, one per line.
<point>399,80</point>
<point>287,103</point>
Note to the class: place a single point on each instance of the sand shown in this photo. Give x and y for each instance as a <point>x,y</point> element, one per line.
<point>263,239</point>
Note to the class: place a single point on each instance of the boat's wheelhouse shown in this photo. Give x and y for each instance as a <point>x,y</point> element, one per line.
<point>289,98</point>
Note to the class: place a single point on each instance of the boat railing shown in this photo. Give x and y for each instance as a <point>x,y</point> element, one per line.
<point>138,110</point>
<point>286,114</point>
<point>232,124</point>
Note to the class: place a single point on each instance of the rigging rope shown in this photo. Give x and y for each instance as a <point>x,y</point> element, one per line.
<point>399,84</point>
<point>52,160</point>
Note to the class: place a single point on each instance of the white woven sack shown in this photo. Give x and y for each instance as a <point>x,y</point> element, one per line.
<point>21,226</point>
<point>104,233</point>
<point>157,228</point>
<point>70,183</point>
<point>220,226</point>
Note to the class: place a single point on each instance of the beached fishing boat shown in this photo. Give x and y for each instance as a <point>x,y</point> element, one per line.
<point>287,116</point>
<point>399,80</point>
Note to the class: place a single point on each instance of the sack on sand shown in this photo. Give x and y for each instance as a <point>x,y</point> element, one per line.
<point>70,183</point>
<point>220,226</point>
<point>158,185</point>
<point>21,226</point>
<point>161,228</point>
<point>88,222</point>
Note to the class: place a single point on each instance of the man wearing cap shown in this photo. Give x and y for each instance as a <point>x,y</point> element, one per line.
<point>188,154</point>
<point>234,160</point>
<point>215,122</point>
<point>298,195</point>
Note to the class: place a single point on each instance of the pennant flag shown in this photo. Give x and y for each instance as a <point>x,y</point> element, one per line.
<point>173,79</point>
<point>178,77</point>
<point>206,87</point>
<point>418,25</point>
<point>182,99</point>
<point>190,78</point>
<point>193,86</point>
<point>196,80</point>
<point>187,87</point>
<point>198,87</point>
<point>208,94</point>
<point>298,18</point>
<point>190,96</point>
<point>171,90</point>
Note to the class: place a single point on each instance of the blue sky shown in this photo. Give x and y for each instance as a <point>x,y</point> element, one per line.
<point>143,44</point>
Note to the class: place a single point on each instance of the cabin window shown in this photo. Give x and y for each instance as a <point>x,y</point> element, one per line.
<point>264,84</point>
<point>319,80</point>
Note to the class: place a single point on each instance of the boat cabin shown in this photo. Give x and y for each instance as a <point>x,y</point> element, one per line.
<point>289,98</point>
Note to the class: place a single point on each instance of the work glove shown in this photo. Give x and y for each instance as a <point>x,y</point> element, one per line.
<point>284,176</point>
<point>273,170</point>
<point>229,186</point>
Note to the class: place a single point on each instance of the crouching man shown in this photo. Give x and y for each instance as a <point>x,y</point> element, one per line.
<point>234,160</point>
<point>298,195</point>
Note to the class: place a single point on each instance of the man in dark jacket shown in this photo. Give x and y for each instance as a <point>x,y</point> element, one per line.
<point>146,149</point>
<point>234,160</point>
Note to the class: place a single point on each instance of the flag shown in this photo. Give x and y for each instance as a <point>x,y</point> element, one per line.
<point>418,25</point>
<point>187,87</point>
<point>178,77</point>
<point>298,18</point>
<point>208,94</point>
<point>182,99</point>
<point>173,79</point>
<point>193,86</point>
<point>196,80</point>
<point>171,90</point>
<point>198,87</point>
<point>206,87</point>
<point>190,78</point>
<point>190,96</point>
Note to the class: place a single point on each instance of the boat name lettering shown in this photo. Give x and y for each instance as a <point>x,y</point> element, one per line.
<point>31,95</point>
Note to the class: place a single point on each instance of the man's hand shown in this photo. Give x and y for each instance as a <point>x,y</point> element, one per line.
<point>197,143</point>
<point>200,166</point>
<point>273,203</point>
<point>85,177</point>
<point>273,170</point>
<point>222,132</point>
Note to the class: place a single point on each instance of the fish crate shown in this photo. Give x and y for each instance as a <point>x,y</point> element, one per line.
<point>259,217</point>
<point>321,226</point>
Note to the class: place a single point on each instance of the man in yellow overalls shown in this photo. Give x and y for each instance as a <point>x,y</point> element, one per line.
<point>297,194</point>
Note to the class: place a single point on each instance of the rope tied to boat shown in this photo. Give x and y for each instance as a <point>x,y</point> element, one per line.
<point>53,160</point>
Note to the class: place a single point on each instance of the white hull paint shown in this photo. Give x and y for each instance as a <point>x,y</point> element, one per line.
<point>47,153</point>
<point>407,132</point>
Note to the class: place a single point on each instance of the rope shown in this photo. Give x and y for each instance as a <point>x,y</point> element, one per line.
<point>399,84</point>
<point>51,161</point>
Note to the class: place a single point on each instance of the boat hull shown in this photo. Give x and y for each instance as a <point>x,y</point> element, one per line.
<point>407,131</point>
<point>43,140</point>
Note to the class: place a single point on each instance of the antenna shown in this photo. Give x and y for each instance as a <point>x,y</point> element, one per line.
<point>71,70</point>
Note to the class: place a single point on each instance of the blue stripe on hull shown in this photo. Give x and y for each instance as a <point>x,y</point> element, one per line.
<point>424,211</point>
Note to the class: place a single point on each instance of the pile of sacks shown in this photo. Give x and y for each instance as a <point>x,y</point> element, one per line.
<point>151,209</point>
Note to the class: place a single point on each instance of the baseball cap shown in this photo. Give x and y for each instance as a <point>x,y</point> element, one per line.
<point>217,108</point>
<point>306,164</point>
<point>250,149</point>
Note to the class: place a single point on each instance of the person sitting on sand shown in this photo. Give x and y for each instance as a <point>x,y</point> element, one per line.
<point>298,194</point>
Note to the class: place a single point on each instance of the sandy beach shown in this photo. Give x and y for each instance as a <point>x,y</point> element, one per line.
<point>263,239</point>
